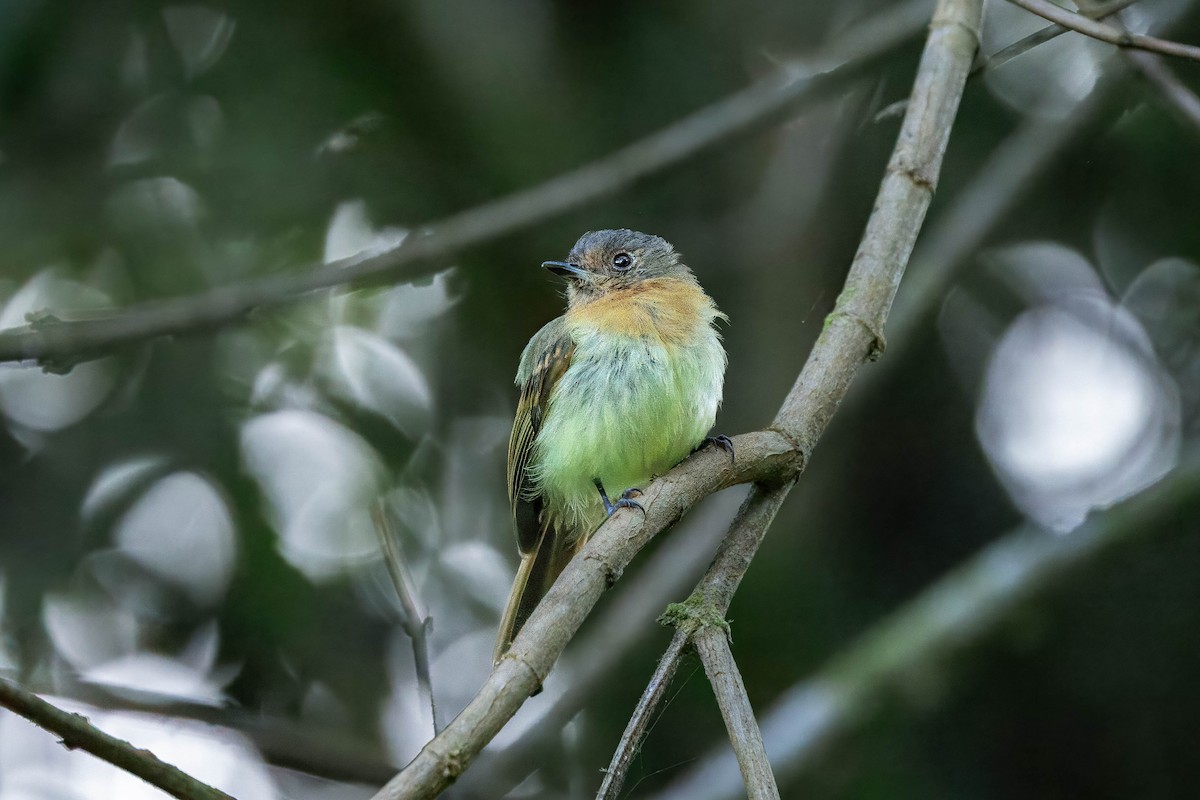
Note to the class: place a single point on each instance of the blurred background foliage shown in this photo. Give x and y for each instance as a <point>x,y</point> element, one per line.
<point>184,525</point>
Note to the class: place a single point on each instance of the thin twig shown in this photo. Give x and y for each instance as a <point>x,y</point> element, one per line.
<point>641,719</point>
<point>936,632</point>
<point>1046,34</point>
<point>853,332</point>
<point>417,623</point>
<point>1179,98</point>
<point>712,643</point>
<point>77,733</point>
<point>1107,33</point>
<point>61,342</point>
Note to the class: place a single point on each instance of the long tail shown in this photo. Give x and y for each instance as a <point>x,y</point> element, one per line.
<point>539,568</point>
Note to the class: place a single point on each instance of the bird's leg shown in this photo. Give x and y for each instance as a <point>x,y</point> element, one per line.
<point>624,501</point>
<point>721,440</point>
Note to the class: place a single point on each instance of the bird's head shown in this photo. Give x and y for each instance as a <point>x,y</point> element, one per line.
<point>602,262</point>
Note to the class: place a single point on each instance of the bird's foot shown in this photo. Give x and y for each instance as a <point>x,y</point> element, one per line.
<point>721,440</point>
<point>624,501</point>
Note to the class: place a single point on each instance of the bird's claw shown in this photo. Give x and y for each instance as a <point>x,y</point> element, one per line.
<point>624,501</point>
<point>722,441</point>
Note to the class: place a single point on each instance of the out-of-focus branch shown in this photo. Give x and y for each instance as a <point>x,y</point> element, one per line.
<point>932,634</point>
<point>336,755</point>
<point>1047,34</point>
<point>54,341</point>
<point>712,643</point>
<point>417,624</point>
<point>1105,32</point>
<point>77,733</point>
<point>1180,99</point>
<point>853,331</point>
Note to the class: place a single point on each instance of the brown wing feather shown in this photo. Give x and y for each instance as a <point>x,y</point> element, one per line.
<point>543,554</point>
<point>535,396</point>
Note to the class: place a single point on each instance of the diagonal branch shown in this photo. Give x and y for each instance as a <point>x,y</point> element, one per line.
<point>1105,32</point>
<point>942,626</point>
<point>853,331</point>
<point>78,733</point>
<point>639,723</point>
<point>712,643</point>
<point>52,341</point>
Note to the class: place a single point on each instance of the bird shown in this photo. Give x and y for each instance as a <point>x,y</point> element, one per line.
<point>614,392</point>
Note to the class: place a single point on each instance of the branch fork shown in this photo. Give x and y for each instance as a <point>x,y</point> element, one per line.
<point>695,614</point>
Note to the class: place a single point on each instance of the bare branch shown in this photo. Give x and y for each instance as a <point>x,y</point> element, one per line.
<point>935,632</point>
<point>712,643</point>
<point>77,733</point>
<point>1179,98</point>
<point>1107,33</point>
<point>1046,34</point>
<point>417,623</point>
<point>853,331</point>
<point>639,723</point>
<point>62,342</point>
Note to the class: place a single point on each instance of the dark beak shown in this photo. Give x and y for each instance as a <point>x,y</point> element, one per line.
<point>565,269</point>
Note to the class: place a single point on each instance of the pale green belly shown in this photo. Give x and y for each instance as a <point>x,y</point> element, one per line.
<point>622,413</point>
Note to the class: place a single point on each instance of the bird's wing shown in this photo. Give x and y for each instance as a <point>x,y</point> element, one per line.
<point>544,361</point>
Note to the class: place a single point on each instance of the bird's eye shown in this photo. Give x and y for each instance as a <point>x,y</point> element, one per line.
<point>622,262</point>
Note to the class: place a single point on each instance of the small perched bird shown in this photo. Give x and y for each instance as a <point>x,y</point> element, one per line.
<point>617,390</point>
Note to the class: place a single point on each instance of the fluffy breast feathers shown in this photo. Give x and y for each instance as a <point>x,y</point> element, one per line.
<point>642,389</point>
